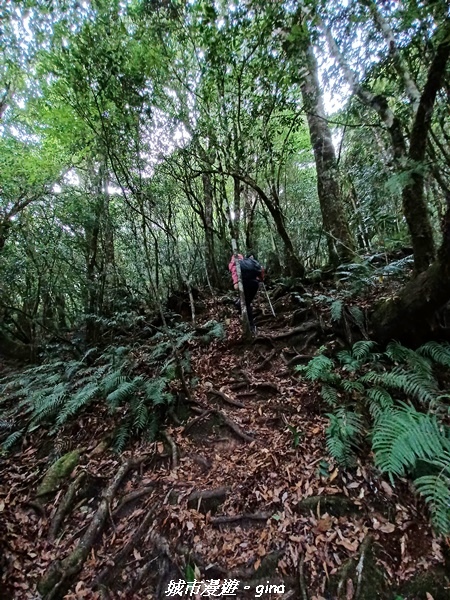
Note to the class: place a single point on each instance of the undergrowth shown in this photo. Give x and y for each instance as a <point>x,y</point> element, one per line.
<point>52,394</point>
<point>394,400</point>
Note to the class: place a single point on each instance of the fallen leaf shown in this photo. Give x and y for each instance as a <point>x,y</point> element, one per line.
<point>350,546</point>
<point>387,488</point>
<point>387,528</point>
<point>333,475</point>
<point>324,524</point>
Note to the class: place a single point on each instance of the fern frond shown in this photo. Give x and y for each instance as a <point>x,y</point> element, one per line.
<point>113,380</point>
<point>362,349</point>
<point>140,413</point>
<point>78,401</point>
<point>349,362</point>
<point>47,405</point>
<point>343,435</point>
<point>413,384</point>
<point>121,436</point>
<point>154,391</point>
<point>402,436</point>
<point>380,400</point>
<point>124,392</point>
<point>416,362</point>
<point>12,439</point>
<point>336,309</point>
<point>436,491</point>
<point>318,368</point>
<point>330,395</point>
<point>352,386</point>
<point>439,353</point>
<point>358,315</point>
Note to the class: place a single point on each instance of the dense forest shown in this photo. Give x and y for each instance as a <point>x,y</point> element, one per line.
<point>154,443</point>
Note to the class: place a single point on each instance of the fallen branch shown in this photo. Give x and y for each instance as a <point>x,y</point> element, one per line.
<point>65,505</point>
<point>56,582</point>
<point>234,518</point>
<point>225,398</point>
<point>211,499</point>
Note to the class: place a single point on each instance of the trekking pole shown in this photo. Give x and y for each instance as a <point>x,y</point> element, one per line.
<point>268,299</point>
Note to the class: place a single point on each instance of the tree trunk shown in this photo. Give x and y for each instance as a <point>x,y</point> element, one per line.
<point>210,258</point>
<point>410,316</point>
<point>335,223</point>
<point>414,202</point>
<point>415,209</point>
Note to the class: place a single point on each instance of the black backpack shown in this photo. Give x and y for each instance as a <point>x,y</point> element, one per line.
<point>250,269</point>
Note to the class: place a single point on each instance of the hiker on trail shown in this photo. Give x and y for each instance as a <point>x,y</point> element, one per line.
<point>252,273</point>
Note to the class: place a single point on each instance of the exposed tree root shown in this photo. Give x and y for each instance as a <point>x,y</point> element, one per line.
<point>234,427</point>
<point>265,362</point>
<point>226,398</point>
<point>301,579</point>
<point>297,359</point>
<point>196,420</point>
<point>286,334</point>
<point>173,448</point>
<point>65,505</point>
<point>35,505</point>
<point>109,573</point>
<point>56,582</point>
<point>131,497</point>
<point>211,499</point>
<point>244,517</point>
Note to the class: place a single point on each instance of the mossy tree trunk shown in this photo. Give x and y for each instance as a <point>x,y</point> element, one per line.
<point>410,316</point>
<point>339,238</point>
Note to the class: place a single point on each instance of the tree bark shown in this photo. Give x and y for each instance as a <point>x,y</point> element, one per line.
<point>414,201</point>
<point>340,242</point>
<point>210,258</point>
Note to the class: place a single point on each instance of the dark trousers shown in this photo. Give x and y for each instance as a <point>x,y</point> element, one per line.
<point>250,290</point>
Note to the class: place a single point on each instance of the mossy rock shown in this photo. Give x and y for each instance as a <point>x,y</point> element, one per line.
<point>58,473</point>
<point>338,505</point>
<point>434,582</point>
<point>361,573</point>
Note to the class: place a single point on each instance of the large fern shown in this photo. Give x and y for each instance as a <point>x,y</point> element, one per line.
<point>404,402</point>
<point>344,436</point>
<point>402,436</point>
<point>55,392</point>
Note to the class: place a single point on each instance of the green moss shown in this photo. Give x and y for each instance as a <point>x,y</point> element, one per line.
<point>58,472</point>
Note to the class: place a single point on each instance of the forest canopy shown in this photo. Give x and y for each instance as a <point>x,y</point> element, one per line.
<point>137,138</point>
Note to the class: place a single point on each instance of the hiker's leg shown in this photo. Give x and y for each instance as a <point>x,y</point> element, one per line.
<point>250,289</point>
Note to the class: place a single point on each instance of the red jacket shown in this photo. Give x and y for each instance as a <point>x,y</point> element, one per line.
<point>232,268</point>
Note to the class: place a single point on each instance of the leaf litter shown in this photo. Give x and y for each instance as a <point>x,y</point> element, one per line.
<point>259,513</point>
